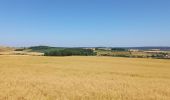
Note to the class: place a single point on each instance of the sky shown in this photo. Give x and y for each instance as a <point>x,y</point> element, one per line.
<point>85,23</point>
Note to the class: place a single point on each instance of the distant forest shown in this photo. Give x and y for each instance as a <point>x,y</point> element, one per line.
<point>57,51</point>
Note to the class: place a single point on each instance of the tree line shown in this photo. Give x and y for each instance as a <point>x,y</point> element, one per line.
<point>69,52</point>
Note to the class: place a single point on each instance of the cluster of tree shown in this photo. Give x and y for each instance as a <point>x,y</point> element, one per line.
<point>20,49</point>
<point>70,52</point>
<point>118,49</point>
<point>159,55</point>
<point>42,48</point>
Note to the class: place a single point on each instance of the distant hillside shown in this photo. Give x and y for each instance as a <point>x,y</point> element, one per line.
<point>149,48</point>
<point>4,49</point>
<point>42,48</point>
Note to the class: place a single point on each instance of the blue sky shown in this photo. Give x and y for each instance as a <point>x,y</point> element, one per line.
<point>85,22</point>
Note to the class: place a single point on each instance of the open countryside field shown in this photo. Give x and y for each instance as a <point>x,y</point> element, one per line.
<point>83,78</point>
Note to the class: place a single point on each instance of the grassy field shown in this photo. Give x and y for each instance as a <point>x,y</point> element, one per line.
<point>83,78</point>
<point>138,54</point>
<point>21,53</point>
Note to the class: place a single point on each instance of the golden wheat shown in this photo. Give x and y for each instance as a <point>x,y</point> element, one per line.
<point>83,78</point>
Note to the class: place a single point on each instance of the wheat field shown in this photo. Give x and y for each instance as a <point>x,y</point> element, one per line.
<point>83,78</point>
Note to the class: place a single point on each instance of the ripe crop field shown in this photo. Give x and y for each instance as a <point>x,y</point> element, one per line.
<point>83,78</point>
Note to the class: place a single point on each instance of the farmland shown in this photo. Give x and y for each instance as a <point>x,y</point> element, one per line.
<point>83,78</point>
